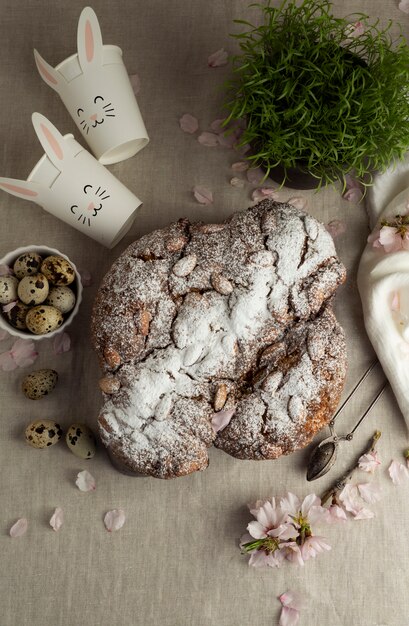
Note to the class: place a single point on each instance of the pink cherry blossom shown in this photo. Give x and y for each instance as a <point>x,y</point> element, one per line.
<point>349,497</point>
<point>202,195</point>
<point>312,546</point>
<point>336,228</point>
<point>390,239</point>
<point>398,472</point>
<point>404,6</point>
<point>310,508</point>
<point>336,514</point>
<point>218,58</point>
<point>369,462</point>
<point>57,519</point>
<point>62,343</point>
<point>188,123</point>
<point>221,419</point>
<point>369,492</point>
<point>19,528</point>
<point>292,604</point>
<point>210,140</point>
<point>271,521</point>
<point>114,520</point>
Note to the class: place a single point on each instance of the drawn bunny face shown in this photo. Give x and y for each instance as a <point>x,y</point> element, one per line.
<point>72,185</point>
<point>90,206</point>
<point>93,115</point>
<point>95,88</point>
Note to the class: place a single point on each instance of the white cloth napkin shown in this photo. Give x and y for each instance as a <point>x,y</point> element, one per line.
<point>383,283</point>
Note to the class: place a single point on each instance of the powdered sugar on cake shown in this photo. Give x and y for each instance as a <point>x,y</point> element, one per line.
<point>193,309</point>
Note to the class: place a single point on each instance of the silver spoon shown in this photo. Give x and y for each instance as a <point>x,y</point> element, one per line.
<point>325,453</point>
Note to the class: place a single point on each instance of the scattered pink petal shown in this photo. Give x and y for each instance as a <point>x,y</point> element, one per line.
<point>369,492</point>
<point>86,278</point>
<point>114,520</point>
<point>218,58</point>
<point>263,193</point>
<point>352,195</point>
<point>292,604</point>
<point>236,182</point>
<point>5,270</point>
<point>202,195</point>
<point>369,462</point>
<point>207,139</point>
<point>255,175</point>
<point>57,519</point>
<point>299,202</point>
<point>354,189</point>
<point>19,528</point>
<point>240,166</point>
<point>188,123</point>
<point>354,30</point>
<point>336,514</point>
<point>227,140</point>
<point>62,343</point>
<point>8,307</point>
<point>336,228</point>
<point>242,149</point>
<point>395,304</point>
<point>349,497</point>
<point>7,363</point>
<point>85,481</point>
<point>217,126</point>
<point>136,83</point>
<point>364,513</point>
<point>404,6</point>
<point>3,334</point>
<point>398,472</point>
<point>221,419</point>
<point>23,352</point>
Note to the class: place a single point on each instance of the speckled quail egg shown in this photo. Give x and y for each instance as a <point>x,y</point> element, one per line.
<point>58,270</point>
<point>43,433</point>
<point>43,319</point>
<point>33,290</point>
<point>62,298</point>
<point>8,289</point>
<point>17,315</point>
<point>81,441</point>
<point>39,384</point>
<point>27,264</point>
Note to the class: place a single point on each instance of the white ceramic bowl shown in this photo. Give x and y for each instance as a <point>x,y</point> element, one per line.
<point>44,251</point>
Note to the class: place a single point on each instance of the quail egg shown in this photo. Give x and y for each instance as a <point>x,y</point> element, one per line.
<point>8,289</point>
<point>39,384</point>
<point>43,319</point>
<point>33,290</point>
<point>17,315</point>
<point>27,264</point>
<point>43,433</point>
<point>81,441</point>
<point>58,270</point>
<point>62,298</point>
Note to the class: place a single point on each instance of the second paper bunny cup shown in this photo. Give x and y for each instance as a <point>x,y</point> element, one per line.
<point>71,184</point>
<point>95,88</point>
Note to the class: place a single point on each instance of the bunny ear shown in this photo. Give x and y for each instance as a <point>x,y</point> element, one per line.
<point>48,73</point>
<point>21,188</point>
<point>89,40</point>
<point>54,144</point>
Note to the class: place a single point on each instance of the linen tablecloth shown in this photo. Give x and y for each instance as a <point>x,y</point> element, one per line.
<point>176,561</point>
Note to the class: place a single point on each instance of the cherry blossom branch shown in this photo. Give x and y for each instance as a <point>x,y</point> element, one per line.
<point>341,482</point>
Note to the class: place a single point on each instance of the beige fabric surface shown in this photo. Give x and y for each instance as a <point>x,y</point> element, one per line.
<point>176,561</point>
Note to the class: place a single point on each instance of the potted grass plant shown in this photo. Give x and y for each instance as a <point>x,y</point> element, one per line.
<point>321,96</point>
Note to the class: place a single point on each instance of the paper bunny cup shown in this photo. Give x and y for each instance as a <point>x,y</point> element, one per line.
<point>95,88</point>
<point>71,184</point>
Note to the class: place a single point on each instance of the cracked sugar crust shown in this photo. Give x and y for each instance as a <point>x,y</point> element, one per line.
<point>195,317</point>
